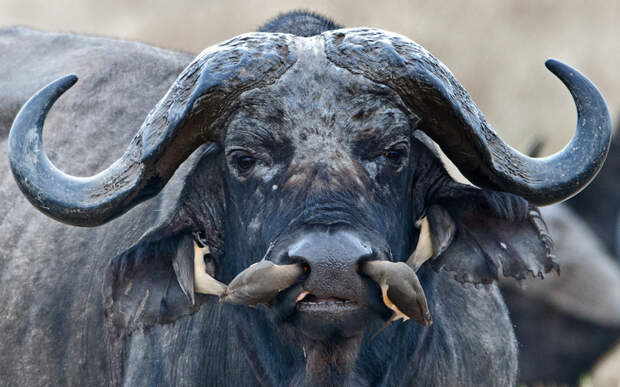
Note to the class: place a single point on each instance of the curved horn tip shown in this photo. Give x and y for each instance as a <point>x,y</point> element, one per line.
<point>561,69</point>
<point>58,87</point>
<point>564,71</point>
<point>67,81</point>
<point>553,64</point>
<point>570,170</point>
<point>47,95</point>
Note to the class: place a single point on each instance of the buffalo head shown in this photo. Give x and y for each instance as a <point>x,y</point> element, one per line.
<point>317,162</point>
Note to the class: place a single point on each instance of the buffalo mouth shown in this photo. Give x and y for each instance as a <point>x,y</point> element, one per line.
<point>331,283</point>
<point>325,317</point>
<point>309,303</point>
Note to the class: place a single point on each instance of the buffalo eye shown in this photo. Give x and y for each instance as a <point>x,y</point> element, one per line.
<point>396,155</point>
<point>245,163</point>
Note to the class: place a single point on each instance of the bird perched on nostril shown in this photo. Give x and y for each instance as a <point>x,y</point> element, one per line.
<point>261,282</point>
<point>400,289</point>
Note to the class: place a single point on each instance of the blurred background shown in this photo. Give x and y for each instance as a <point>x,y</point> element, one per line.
<point>495,48</point>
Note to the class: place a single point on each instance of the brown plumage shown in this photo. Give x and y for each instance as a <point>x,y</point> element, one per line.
<point>260,283</point>
<point>400,289</point>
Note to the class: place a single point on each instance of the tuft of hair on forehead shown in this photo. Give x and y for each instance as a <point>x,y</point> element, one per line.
<point>300,23</point>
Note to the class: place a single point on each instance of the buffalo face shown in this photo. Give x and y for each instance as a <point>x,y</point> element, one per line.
<point>315,186</point>
<point>323,169</point>
<point>327,179</point>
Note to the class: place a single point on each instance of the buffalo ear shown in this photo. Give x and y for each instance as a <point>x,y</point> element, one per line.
<point>481,235</point>
<point>151,283</point>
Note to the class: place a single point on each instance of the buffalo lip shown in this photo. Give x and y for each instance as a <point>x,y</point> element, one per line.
<point>306,301</point>
<point>320,318</point>
<point>328,306</point>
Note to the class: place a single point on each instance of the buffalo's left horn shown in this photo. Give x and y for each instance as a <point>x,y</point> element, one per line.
<point>177,126</point>
<point>450,117</point>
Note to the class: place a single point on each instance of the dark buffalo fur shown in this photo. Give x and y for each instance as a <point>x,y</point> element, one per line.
<point>554,346</point>
<point>599,204</point>
<point>566,343</point>
<point>300,23</point>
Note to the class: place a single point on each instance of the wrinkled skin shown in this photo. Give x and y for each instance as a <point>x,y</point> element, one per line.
<point>333,157</point>
<point>292,189</point>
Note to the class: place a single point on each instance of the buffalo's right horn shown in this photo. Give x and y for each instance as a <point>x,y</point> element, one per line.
<point>177,126</point>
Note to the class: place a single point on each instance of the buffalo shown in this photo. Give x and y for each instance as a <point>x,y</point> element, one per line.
<point>296,165</point>
<point>568,322</point>
<point>599,204</point>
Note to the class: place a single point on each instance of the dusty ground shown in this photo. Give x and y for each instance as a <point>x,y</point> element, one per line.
<point>495,48</point>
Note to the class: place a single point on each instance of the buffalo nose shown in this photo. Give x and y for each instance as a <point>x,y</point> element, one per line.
<point>333,259</point>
